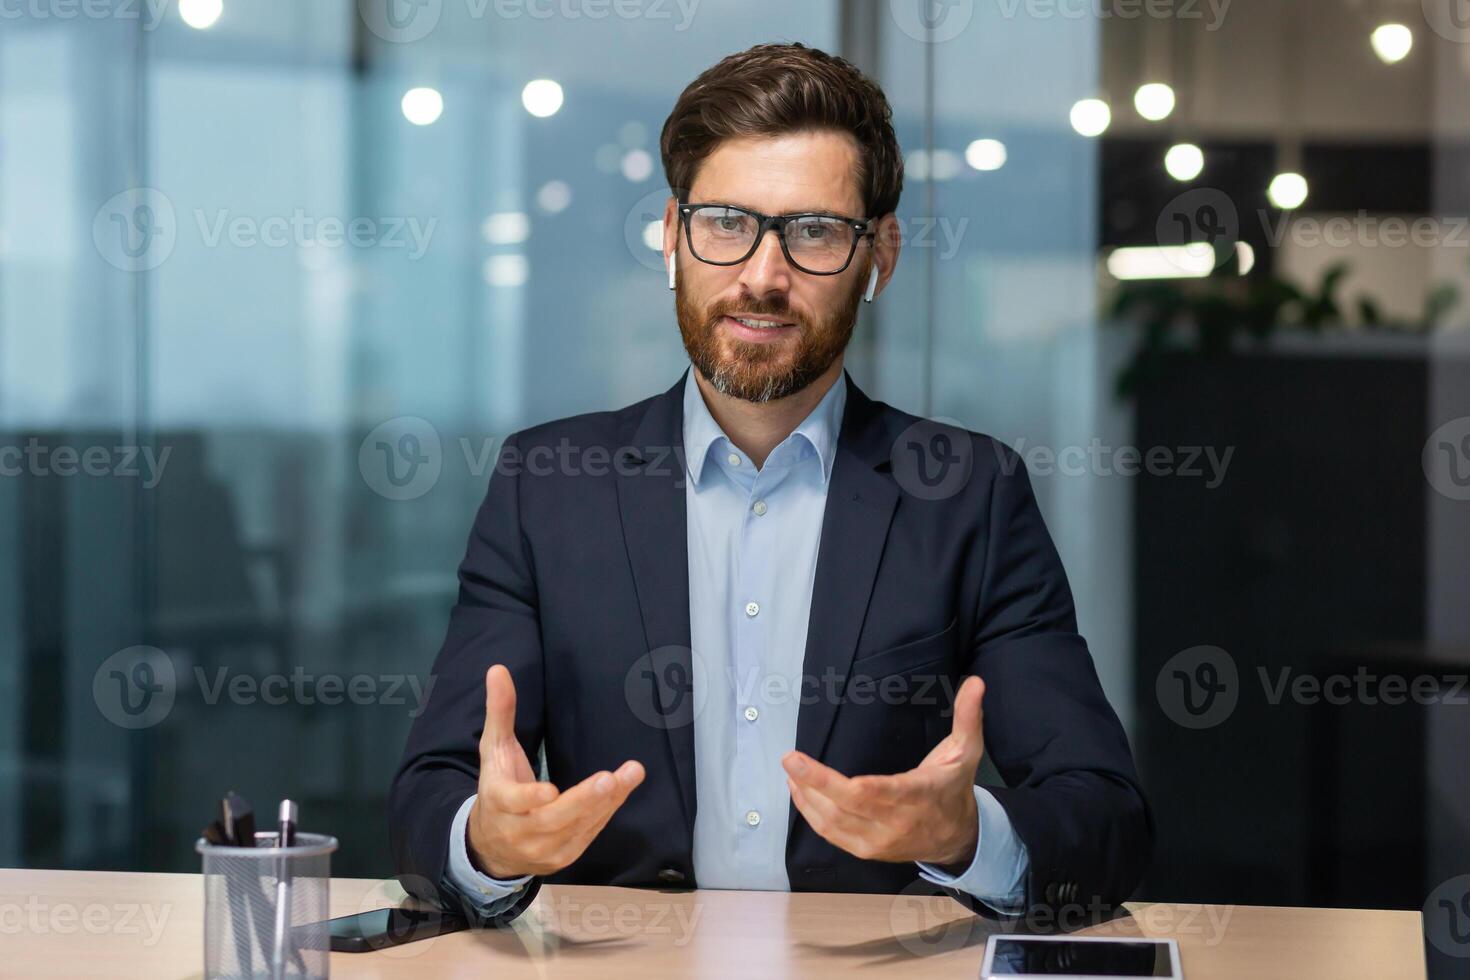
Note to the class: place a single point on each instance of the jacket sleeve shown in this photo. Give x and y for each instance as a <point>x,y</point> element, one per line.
<point>1071,791</point>
<point>495,620</point>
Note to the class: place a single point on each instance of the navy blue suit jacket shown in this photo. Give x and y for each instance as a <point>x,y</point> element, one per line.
<point>576,578</point>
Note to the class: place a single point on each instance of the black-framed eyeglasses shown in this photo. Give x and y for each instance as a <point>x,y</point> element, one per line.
<point>817,244</point>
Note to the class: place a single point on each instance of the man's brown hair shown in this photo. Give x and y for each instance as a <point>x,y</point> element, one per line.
<point>772,89</point>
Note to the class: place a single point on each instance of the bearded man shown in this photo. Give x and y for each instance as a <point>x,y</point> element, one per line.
<point>764,628</point>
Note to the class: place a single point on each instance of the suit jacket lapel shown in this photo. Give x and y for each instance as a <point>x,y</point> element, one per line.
<point>860,505</point>
<point>651,500</point>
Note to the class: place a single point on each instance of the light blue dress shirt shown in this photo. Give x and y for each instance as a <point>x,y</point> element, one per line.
<point>753,536</point>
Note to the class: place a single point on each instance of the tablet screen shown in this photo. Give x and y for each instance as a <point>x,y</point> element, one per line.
<point>1124,958</point>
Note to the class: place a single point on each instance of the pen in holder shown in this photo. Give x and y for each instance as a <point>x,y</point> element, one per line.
<point>248,932</point>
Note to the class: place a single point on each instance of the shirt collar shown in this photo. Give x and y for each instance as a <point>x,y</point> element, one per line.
<point>820,428</point>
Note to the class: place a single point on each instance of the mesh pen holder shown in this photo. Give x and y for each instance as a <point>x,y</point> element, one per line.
<point>249,931</point>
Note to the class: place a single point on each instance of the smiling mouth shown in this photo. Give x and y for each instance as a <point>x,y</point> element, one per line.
<point>760,323</point>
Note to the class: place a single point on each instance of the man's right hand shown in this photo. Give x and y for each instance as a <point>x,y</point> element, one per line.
<point>519,826</point>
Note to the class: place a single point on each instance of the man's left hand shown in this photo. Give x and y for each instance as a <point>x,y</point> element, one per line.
<point>926,814</point>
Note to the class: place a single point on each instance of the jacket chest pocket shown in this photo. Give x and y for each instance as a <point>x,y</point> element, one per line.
<point>933,651</point>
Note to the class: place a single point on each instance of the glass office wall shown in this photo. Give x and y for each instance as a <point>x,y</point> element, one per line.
<point>1002,218</point>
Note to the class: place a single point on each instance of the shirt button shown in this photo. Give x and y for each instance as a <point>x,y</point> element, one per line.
<point>733,459</point>
<point>759,508</point>
<point>751,608</point>
<point>753,818</point>
<point>751,713</point>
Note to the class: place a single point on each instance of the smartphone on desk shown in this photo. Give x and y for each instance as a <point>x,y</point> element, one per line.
<point>1079,958</point>
<point>380,928</point>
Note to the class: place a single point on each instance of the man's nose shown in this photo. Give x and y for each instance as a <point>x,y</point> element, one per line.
<point>767,271</point>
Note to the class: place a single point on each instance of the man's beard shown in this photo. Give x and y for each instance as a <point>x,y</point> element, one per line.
<point>751,371</point>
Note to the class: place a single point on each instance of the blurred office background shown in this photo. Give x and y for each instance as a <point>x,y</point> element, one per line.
<point>276,277</point>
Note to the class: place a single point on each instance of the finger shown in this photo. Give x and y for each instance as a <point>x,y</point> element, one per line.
<point>510,761</point>
<point>965,742</point>
<point>500,707</point>
<point>828,812</point>
<point>948,752</point>
<point>968,716</point>
<point>875,799</point>
<point>509,796</point>
<point>830,823</point>
<point>551,846</point>
<point>589,833</point>
<point>811,773</point>
<point>593,799</point>
<point>861,798</point>
<point>900,789</point>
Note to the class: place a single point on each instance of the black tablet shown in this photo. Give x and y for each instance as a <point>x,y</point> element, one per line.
<point>1080,958</point>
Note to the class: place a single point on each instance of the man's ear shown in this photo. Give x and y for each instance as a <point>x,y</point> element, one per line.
<point>887,242</point>
<point>671,236</point>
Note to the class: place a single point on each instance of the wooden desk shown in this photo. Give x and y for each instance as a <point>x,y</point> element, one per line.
<point>104,924</point>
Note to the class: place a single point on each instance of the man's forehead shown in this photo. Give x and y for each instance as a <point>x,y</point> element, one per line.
<point>793,172</point>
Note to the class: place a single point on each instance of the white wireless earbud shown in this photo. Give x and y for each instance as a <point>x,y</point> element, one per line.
<point>872,285</point>
<point>671,269</point>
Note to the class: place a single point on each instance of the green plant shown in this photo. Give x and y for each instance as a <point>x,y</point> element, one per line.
<point>1209,317</point>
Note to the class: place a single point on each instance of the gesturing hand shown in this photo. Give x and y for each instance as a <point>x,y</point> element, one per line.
<point>926,814</point>
<point>519,826</point>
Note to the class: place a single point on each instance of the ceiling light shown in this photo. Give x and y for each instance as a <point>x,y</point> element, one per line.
<point>1090,117</point>
<point>1154,101</point>
<point>1287,191</point>
<point>1392,43</point>
<point>1184,161</point>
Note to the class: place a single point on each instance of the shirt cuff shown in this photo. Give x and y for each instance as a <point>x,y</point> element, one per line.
<point>997,875</point>
<point>490,896</point>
